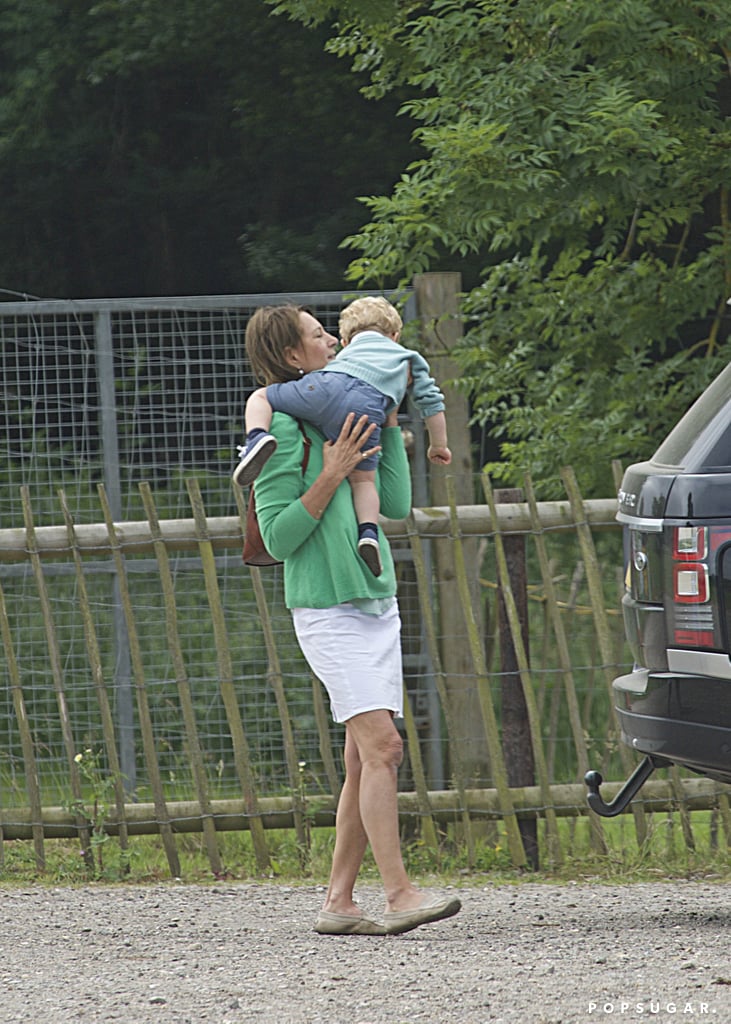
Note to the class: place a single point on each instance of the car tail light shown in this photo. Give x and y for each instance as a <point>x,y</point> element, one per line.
<point>690,583</point>
<point>694,618</point>
<point>690,543</point>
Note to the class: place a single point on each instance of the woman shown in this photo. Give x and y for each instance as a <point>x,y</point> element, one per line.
<point>346,620</point>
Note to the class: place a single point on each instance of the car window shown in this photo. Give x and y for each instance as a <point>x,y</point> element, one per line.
<point>702,438</point>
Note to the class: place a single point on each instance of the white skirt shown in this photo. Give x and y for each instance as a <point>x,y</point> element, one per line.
<point>356,656</point>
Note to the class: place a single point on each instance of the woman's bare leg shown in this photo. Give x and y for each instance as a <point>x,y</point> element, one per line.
<point>350,837</point>
<point>380,751</point>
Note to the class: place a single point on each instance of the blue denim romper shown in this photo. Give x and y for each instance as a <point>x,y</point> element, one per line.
<point>325,399</point>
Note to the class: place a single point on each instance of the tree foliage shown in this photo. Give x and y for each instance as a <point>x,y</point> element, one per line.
<point>581,151</point>
<point>150,147</point>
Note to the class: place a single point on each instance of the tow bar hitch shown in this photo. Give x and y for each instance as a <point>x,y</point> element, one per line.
<point>629,790</point>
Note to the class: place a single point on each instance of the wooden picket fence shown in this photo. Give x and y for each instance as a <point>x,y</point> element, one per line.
<point>462,804</point>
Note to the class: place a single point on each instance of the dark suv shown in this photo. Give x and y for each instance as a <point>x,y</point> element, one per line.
<point>675,707</point>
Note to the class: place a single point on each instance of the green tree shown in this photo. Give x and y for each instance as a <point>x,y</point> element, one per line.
<point>150,147</point>
<point>581,152</point>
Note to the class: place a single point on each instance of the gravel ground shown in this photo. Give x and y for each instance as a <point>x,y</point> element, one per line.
<point>240,952</point>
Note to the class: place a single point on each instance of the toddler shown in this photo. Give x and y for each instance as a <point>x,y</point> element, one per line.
<point>370,375</point>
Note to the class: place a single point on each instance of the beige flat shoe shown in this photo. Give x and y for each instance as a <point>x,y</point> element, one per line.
<point>328,923</point>
<point>431,908</point>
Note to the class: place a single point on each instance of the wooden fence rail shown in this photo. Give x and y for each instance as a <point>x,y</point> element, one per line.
<point>91,757</point>
<point>446,807</point>
<point>224,532</point>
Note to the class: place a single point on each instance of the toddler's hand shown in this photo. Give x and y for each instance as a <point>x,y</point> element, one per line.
<point>439,454</point>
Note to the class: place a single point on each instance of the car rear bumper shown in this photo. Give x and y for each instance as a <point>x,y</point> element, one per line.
<point>685,719</point>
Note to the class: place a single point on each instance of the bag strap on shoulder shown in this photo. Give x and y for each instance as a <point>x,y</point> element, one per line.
<point>307,441</point>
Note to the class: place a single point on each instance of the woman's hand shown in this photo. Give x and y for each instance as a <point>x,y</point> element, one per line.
<point>342,456</point>
<point>339,459</point>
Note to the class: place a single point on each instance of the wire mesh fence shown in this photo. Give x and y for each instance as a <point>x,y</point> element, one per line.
<point>105,403</point>
<point>120,392</point>
<point>124,391</point>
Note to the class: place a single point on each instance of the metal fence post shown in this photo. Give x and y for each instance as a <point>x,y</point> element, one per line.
<point>124,700</point>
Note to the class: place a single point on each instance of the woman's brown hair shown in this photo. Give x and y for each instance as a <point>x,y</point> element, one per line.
<point>272,334</point>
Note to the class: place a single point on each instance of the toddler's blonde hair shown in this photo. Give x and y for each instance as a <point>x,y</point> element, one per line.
<point>370,313</point>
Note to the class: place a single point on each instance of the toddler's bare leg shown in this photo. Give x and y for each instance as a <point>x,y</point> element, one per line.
<point>258,411</point>
<point>365,495</point>
<point>260,444</point>
<point>367,506</point>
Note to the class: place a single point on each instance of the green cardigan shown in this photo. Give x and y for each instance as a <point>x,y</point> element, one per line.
<point>322,566</point>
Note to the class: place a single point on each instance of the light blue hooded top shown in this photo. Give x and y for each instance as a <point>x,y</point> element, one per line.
<point>383,363</point>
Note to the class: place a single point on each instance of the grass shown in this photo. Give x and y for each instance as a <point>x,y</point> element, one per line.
<point>664,855</point>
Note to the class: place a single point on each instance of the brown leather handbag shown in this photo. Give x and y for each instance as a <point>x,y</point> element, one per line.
<point>255,552</point>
